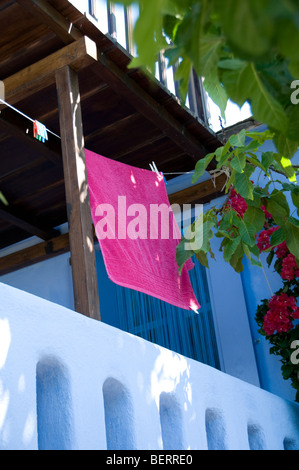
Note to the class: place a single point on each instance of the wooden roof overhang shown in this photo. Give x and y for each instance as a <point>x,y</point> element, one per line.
<point>125,116</point>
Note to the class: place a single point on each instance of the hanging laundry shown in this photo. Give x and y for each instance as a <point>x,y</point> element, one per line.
<point>139,250</point>
<point>40,131</point>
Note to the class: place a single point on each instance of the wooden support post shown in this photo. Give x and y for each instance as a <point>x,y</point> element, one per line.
<point>77,196</point>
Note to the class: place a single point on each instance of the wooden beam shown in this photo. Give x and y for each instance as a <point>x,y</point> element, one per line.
<point>35,254</point>
<point>40,75</point>
<point>55,21</point>
<point>13,218</point>
<point>124,85</point>
<point>77,197</point>
<point>200,193</point>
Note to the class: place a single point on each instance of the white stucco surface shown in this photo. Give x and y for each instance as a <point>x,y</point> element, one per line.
<point>70,382</point>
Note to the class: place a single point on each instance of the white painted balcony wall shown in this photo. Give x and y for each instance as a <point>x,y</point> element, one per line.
<point>69,382</point>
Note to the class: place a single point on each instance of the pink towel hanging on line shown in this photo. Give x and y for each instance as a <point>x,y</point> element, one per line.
<point>138,253</point>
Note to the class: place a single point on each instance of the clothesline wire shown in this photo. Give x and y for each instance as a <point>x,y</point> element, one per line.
<point>179,173</point>
<point>25,116</point>
<point>53,133</point>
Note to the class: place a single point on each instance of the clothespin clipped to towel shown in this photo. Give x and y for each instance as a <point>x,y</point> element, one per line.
<point>154,168</point>
<point>40,131</point>
<point>194,309</point>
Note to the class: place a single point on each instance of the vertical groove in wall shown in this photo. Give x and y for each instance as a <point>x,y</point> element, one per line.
<point>119,416</point>
<point>215,429</point>
<point>171,422</point>
<point>54,410</point>
<point>290,444</point>
<point>256,437</point>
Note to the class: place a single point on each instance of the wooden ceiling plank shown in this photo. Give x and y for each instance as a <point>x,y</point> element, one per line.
<point>35,254</point>
<point>48,15</point>
<point>40,75</point>
<point>200,193</point>
<point>10,216</point>
<point>114,127</point>
<point>137,147</point>
<point>122,84</point>
<point>20,168</point>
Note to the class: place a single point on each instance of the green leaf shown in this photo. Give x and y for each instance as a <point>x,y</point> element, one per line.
<point>255,161</point>
<point>216,91</point>
<point>238,140</point>
<point>254,216</point>
<point>267,159</point>
<point>285,146</point>
<point>255,251</point>
<point>231,64</point>
<point>287,370</point>
<point>277,237</point>
<point>148,33</point>
<point>246,85</point>
<point>188,32</point>
<point>202,258</point>
<point>255,202</point>
<point>247,232</point>
<point>255,262</point>
<point>285,165</point>
<point>295,196</point>
<point>246,25</point>
<point>209,54</point>
<point>170,24</point>
<point>293,221</point>
<point>243,185</point>
<point>182,255</point>
<point>260,137</point>
<point>207,234</point>
<point>236,259</point>
<point>238,161</point>
<point>278,207</point>
<point>182,75</point>
<point>270,258</point>
<point>293,115</point>
<point>201,166</point>
<point>291,233</point>
<point>230,248</point>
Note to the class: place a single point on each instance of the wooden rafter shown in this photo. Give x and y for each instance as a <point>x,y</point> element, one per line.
<point>118,79</point>
<point>14,218</point>
<point>44,11</point>
<point>35,254</point>
<point>124,85</point>
<point>200,193</point>
<point>40,75</point>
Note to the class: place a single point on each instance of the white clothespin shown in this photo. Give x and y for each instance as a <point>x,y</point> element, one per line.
<point>194,310</point>
<point>154,168</point>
